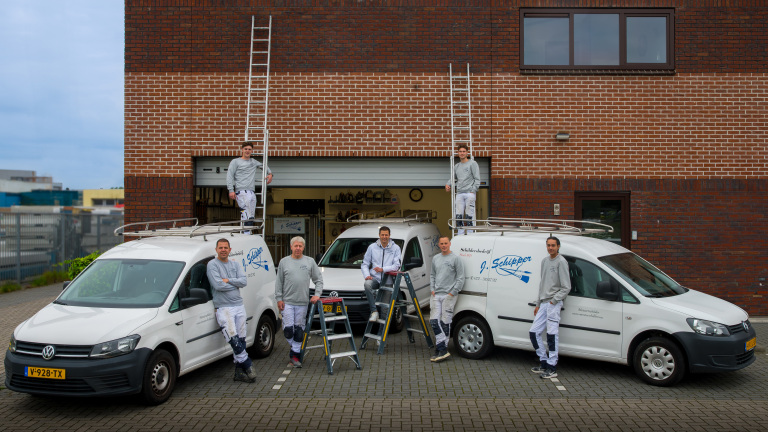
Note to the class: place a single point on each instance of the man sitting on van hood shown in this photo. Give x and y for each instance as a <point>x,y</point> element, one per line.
<point>226,278</point>
<point>380,258</point>
<point>554,287</point>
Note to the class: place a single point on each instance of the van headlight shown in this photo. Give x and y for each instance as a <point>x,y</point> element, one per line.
<point>12,344</point>
<point>708,328</point>
<point>115,347</point>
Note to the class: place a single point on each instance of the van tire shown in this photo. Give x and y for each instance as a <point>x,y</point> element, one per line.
<point>658,361</point>
<point>398,321</point>
<point>159,377</point>
<point>472,337</point>
<point>264,341</point>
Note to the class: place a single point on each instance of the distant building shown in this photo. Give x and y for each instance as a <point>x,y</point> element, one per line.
<point>25,181</point>
<point>103,197</point>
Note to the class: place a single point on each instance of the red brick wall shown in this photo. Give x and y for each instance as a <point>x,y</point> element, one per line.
<point>371,79</point>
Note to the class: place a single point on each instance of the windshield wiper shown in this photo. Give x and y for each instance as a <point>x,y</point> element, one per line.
<point>59,302</point>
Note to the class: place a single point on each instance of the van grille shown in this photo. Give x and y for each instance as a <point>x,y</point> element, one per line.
<point>745,357</point>
<point>62,351</point>
<point>738,328</point>
<point>77,385</point>
<point>356,295</point>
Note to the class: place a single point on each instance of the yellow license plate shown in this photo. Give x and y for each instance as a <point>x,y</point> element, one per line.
<point>36,372</point>
<point>329,308</point>
<point>751,344</point>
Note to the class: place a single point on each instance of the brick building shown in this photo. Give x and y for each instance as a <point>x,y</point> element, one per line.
<point>664,102</point>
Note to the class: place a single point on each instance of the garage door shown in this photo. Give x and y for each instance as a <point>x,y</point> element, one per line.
<point>343,172</point>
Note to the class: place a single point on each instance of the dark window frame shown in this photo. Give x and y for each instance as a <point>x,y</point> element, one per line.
<point>623,66</point>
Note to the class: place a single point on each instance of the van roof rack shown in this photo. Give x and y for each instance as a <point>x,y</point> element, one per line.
<point>419,217</point>
<point>187,227</point>
<point>560,226</point>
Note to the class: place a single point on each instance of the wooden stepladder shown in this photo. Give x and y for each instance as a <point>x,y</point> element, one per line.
<point>337,312</point>
<point>388,298</point>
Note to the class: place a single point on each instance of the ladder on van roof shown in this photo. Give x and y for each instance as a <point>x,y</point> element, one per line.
<point>461,131</point>
<point>549,226</point>
<point>389,300</point>
<point>186,227</point>
<point>256,131</point>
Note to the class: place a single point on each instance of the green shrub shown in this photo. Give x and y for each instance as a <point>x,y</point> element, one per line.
<point>77,265</point>
<point>49,278</point>
<point>9,286</point>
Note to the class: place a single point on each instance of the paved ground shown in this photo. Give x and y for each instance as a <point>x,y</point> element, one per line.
<point>402,390</point>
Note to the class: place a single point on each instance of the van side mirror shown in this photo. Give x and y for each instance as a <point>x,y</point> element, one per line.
<point>608,290</point>
<point>196,296</point>
<point>318,257</point>
<point>66,283</point>
<point>413,263</point>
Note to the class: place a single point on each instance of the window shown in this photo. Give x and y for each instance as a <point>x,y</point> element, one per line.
<point>597,39</point>
<point>197,277</point>
<point>413,250</point>
<point>584,279</point>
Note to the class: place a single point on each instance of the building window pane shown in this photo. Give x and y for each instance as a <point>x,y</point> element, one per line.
<point>546,41</point>
<point>596,39</point>
<point>646,40</point>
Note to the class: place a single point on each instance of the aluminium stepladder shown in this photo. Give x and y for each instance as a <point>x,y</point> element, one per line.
<point>338,312</point>
<point>257,107</point>
<point>461,129</point>
<point>389,308</point>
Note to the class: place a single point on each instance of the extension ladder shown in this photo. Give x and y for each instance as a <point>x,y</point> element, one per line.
<point>339,314</point>
<point>390,306</point>
<point>461,128</point>
<point>258,102</point>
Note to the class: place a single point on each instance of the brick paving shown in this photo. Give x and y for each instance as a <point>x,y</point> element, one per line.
<point>402,390</point>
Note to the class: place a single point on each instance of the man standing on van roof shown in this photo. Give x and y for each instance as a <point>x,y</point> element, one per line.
<point>381,257</point>
<point>446,280</point>
<point>241,181</point>
<point>467,175</point>
<point>554,287</point>
<point>226,278</point>
<point>292,294</point>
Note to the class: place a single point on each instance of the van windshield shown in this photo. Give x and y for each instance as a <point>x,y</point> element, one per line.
<point>643,276</point>
<point>349,252</point>
<point>116,283</point>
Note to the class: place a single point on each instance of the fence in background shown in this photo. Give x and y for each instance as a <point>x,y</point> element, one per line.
<point>33,243</point>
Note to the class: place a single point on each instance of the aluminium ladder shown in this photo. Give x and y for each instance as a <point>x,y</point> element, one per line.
<point>256,111</point>
<point>388,310</point>
<point>461,128</point>
<point>339,314</point>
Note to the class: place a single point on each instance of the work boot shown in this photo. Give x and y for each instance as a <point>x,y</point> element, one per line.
<point>434,357</point>
<point>251,372</point>
<point>441,355</point>
<point>241,376</point>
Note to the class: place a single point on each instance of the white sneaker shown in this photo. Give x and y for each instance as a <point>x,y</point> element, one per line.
<point>374,316</point>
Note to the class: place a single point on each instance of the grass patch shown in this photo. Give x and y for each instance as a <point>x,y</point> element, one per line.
<point>49,278</point>
<point>7,287</point>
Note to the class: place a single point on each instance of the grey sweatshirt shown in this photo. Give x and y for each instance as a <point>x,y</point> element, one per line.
<point>241,174</point>
<point>555,280</point>
<point>467,177</point>
<point>447,274</point>
<point>226,294</point>
<point>292,283</point>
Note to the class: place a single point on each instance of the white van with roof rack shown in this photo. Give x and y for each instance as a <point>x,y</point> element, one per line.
<point>141,315</point>
<point>621,308</point>
<point>417,238</point>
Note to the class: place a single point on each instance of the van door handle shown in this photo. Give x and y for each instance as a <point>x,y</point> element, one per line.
<point>179,323</point>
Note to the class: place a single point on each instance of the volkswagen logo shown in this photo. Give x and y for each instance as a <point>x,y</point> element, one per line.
<point>746,326</point>
<point>334,294</point>
<point>48,352</point>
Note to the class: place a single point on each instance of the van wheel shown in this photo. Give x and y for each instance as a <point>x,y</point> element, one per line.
<point>159,378</point>
<point>658,361</point>
<point>473,338</point>
<point>265,338</point>
<point>397,325</point>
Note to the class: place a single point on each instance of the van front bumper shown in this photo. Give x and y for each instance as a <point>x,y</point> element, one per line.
<point>83,377</point>
<point>718,353</point>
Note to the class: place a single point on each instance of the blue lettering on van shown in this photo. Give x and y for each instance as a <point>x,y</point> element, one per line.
<point>510,265</point>
<point>253,259</point>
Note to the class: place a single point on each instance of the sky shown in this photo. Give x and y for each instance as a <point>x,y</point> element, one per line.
<point>61,90</point>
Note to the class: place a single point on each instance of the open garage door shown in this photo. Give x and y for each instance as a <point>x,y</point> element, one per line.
<point>344,172</point>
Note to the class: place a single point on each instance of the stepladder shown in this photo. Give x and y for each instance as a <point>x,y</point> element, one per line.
<point>389,300</point>
<point>330,311</point>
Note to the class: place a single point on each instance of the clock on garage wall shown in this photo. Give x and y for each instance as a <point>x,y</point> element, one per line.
<point>416,194</point>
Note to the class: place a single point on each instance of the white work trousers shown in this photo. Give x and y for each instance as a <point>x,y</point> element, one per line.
<point>548,318</point>
<point>232,322</point>
<point>465,209</point>
<point>440,318</point>
<point>293,317</point>
<point>246,200</point>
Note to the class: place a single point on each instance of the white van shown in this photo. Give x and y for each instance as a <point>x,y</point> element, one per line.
<point>340,265</point>
<point>621,308</point>
<point>140,316</point>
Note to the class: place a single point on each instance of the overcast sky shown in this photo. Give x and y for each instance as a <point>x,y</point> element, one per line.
<point>61,90</point>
